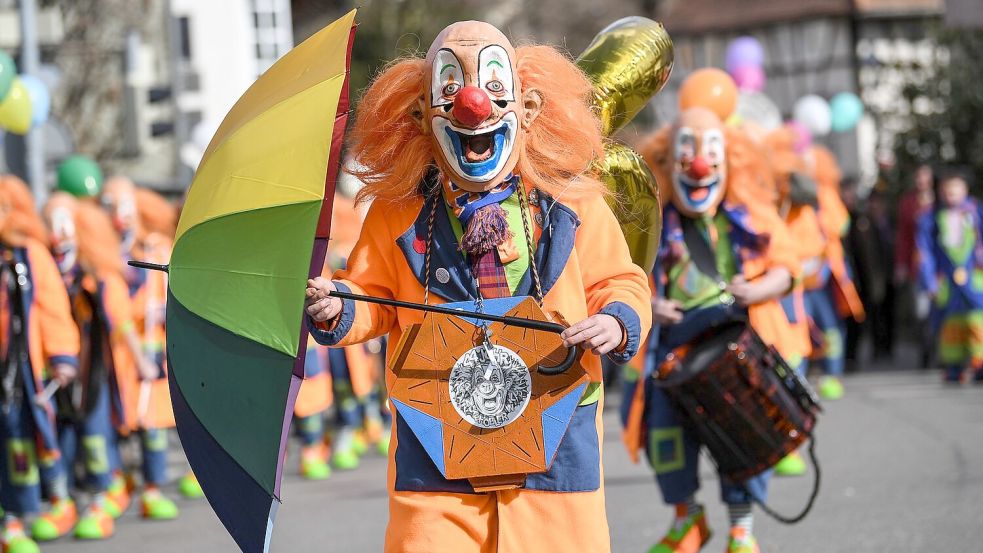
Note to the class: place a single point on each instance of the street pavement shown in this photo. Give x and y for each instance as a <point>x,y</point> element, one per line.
<point>902,471</point>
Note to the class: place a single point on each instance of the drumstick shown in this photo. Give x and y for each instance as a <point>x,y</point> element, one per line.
<point>144,402</point>
<point>44,397</point>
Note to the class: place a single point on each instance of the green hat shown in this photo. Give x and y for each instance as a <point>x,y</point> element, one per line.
<point>80,176</point>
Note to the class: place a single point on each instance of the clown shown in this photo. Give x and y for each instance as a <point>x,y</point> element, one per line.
<point>40,343</point>
<point>743,266</point>
<point>478,160</point>
<point>145,222</point>
<point>85,248</point>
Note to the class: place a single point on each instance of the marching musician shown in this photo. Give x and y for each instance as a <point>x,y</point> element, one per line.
<point>39,352</point>
<point>478,161</point>
<point>721,258</point>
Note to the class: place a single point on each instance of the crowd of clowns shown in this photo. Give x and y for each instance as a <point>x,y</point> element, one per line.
<point>85,413</point>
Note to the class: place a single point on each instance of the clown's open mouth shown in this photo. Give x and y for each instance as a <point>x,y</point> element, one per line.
<point>698,195</point>
<point>478,154</point>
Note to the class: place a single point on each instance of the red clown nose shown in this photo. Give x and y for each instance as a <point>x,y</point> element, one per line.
<point>698,169</point>
<point>471,106</point>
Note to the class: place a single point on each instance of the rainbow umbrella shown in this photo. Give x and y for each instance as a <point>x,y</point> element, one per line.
<point>254,228</point>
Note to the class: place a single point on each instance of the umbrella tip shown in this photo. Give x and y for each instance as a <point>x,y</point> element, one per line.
<point>149,266</point>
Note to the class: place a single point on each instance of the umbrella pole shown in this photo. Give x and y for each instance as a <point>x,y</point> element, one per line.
<point>520,322</point>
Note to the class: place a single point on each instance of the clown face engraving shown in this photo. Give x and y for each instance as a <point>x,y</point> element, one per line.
<point>475,108</point>
<point>490,386</point>
<point>699,175</point>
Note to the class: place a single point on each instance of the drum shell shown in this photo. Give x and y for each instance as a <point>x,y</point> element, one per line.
<point>746,404</point>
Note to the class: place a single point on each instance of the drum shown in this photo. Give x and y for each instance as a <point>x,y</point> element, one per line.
<point>748,406</point>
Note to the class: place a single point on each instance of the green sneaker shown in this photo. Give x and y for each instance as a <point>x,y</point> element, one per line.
<point>792,465</point>
<point>830,388</point>
<point>345,459</point>
<point>383,445</point>
<point>189,488</point>
<point>14,540</point>
<point>117,498</point>
<point>688,533</point>
<point>314,462</point>
<point>359,443</point>
<point>155,506</point>
<point>95,524</point>
<point>746,544</point>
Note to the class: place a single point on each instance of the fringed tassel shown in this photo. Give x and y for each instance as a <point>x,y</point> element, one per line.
<point>486,230</point>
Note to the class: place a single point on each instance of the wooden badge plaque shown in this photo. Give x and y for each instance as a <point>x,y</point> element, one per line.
<point>489,458</point>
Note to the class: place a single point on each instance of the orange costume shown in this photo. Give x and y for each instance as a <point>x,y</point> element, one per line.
<point>32,291</point>
<point>511,126</point>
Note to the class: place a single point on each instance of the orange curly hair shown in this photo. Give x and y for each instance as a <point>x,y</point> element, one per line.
<point>155,212</point>
<point>98,243</point>
<point>19,219</point>
<point>392,154</point>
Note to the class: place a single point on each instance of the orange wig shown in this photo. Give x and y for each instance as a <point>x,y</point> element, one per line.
<point>19,220</point>
<point>393,153</point>
<point>157,215</point>
<point>98,243</point>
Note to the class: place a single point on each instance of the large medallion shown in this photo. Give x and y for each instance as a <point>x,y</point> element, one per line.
<point>490,386</point>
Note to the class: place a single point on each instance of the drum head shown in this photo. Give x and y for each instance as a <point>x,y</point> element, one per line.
<point>706,349</point>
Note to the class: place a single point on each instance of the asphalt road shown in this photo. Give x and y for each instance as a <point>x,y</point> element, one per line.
<point>902,466</point>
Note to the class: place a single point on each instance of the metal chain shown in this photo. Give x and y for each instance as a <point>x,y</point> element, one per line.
<point>524,208</point>
<point>426,263</point>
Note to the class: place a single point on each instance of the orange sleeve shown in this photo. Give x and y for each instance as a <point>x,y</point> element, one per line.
<point>59,334</point>
<point>613,284</point>
<point>371,271</point>
<point>117,303</point>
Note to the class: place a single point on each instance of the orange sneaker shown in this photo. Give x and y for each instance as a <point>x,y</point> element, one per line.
<point>688,533</point>
<point>57,522</point>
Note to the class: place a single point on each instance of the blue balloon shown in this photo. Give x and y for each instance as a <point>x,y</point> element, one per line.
<point>847,109</point>
<point>744,51</point>
<point>40,99</point>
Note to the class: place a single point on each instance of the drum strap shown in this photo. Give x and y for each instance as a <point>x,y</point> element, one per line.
<point>699,249</point>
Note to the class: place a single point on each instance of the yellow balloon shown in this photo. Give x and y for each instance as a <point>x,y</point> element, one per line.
<point>634,199</point>
<point>629,61</point>
<point>15,109</point>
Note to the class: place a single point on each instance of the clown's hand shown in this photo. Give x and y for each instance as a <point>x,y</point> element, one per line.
<point>63,374</point>
<point>318,304</point>
<point>666,312</point>
<point>599,333</point>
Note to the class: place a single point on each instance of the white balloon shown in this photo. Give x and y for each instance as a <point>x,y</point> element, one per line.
<point>813,111</point>
<point>758,108</point>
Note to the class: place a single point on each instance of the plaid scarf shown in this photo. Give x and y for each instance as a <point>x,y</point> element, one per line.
<point>487,238</point>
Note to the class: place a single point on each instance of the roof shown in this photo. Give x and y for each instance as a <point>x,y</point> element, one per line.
<point>700,16</point>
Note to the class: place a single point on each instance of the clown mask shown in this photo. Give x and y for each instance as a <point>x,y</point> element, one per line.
<point>64,240</point>
<point>119,200</point>
<point>474,108</point>
<point>699,174</point>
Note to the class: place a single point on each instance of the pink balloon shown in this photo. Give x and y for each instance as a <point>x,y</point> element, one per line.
<point>803,138</point>
<point>749,77</point>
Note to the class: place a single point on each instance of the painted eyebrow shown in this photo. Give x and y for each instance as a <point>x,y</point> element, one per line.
<point>496,62</point>
<point>447,65</point>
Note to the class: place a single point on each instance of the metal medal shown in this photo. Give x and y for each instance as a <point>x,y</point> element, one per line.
<point>490,386</point>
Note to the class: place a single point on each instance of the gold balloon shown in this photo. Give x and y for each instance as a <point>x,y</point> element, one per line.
<point>15,109</point>
<point>635,201</point>
<point>629,61</point>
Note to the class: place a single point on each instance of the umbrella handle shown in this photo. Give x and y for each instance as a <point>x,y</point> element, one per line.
<point>150,266</point>
<point>531,324</point>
